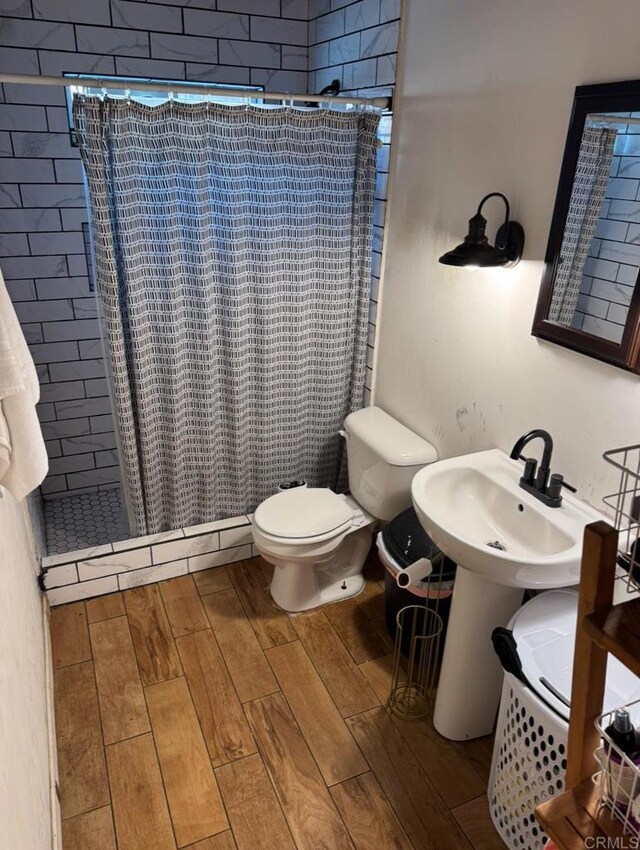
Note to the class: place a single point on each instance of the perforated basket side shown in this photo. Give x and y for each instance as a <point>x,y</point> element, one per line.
<point>529,764</point>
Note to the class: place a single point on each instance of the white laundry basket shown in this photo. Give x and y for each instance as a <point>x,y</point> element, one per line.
<point>529,763</point>
<point>529,754</point>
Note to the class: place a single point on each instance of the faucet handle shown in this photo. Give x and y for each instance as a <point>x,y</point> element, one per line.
<point>554,490</point>
<point>529,474</point>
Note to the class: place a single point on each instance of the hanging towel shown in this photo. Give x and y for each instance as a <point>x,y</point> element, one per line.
<point>23,455</point>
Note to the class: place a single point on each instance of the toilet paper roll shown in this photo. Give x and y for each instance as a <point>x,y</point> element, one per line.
<point>414,572</point>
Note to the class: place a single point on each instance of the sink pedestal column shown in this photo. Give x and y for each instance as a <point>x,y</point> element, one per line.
<point>471,677</point>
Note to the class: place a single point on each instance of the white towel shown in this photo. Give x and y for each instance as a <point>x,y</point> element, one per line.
<point>23,455</point>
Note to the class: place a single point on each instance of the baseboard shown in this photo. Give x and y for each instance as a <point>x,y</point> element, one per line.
<point>56,814</point>
<point>124,564</point>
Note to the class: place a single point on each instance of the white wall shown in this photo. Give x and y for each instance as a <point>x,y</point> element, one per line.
<point>485,97</point>
<point>25,817</point>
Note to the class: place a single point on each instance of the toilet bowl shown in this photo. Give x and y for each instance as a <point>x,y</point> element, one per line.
<point>318,540</point>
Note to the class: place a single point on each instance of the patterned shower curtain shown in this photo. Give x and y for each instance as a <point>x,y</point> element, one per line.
<point>232,248</point>
<point>589,186</point>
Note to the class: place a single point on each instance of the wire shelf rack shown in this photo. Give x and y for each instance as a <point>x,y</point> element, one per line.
<point>618,781</point>
<point>625,504</point>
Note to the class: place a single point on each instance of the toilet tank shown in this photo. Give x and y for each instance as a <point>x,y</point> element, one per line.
<point>383,456</point>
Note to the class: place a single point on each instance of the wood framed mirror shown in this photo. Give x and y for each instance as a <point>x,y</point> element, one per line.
<point>589,298</point>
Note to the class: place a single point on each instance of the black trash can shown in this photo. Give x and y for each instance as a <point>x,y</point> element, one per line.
<point>402,543</point>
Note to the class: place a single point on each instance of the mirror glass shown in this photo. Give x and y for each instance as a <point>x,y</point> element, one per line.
<point>589,297</point>
<point>599,261</point>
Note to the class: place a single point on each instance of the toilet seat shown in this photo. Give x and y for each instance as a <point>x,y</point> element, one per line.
<point>303,515</point>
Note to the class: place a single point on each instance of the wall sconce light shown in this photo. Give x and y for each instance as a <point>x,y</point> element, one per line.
<point>476,252</point>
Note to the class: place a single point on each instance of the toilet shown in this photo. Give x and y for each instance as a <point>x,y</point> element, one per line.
<point>318,540</point>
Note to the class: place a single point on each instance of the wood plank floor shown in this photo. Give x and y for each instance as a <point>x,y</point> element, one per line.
<point>194,714</point>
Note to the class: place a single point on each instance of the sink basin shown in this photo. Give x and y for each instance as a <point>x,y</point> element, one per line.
<point>503,540</point>
<point>474,510</point>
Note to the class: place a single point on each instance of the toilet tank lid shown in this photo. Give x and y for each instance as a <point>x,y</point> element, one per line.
<point>396,444</point>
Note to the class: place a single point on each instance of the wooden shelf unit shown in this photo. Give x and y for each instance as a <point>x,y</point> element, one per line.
<point>576,815</point>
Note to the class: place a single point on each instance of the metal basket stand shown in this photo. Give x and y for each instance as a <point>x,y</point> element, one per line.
<point>413,690</point>
<point>625,503</point>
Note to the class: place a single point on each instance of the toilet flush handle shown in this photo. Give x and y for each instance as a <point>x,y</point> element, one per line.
<point>343,433</point>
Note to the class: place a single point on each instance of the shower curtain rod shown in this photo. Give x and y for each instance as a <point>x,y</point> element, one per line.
<point>142,85</point>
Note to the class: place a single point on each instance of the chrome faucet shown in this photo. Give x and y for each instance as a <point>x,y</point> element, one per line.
<point>539,481</point>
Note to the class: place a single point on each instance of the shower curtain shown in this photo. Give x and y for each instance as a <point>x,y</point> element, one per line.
<point>589,185</point>
<point>232,248</point>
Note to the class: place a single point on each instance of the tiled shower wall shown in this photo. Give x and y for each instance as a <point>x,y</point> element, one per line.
<point>611,269</point>
<point>42,252</point>
<point>42,201</point>
<point>357,43</point>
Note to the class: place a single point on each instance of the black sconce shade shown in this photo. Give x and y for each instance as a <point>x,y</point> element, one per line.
<point>477,252</point>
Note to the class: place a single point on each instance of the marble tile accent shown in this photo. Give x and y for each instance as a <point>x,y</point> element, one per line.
<point>60,576</point>
<point>249,53</point>
<point>363,14</point>
<point>294,57</point>
<point>146,16</point>
<point>389,10</point>
<point>217,24</point>
<point>131,66</point>
<point>318,7</point>
<point>256,7</point>
<point>68,557</point>
<point>76,370</point>
<point>292,9</point>
<point>278,30</point>
<point>54,63</point>
<point>76,11</point>
<point>194,48</point>
<point>54,352</point>
<point>152,574</point>
<point>621,252</point>
<point>330,26</point>
<point>116,562</point>
<point>345,49</point>
<point>235,537</point>
<point>227,74</point>
<point>49,145</point>
<point>73,463</point>
<point>14,117</point>
<point>77,329</point>
<point>275,80</point>
<point>79,480</point>
<point>26,170</point>
<point>13,244</point>
<point>82,590</point>
<point>68,287</point>
<point>130,560</point>
<point>123,42</point>
<point>218,559</point>
<point>16,60</point>
<point>87,443</point>
<point>189,547</point>
<point>148,540</point>
<point>216,525</point>
<point>9,195</point>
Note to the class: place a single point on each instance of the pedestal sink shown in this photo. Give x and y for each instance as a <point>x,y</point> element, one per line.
<point>504,540</point>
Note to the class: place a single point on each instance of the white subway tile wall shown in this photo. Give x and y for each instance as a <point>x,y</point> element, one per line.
<point>611,269</point>
<point>295,45</point>
<point>357,43</point>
